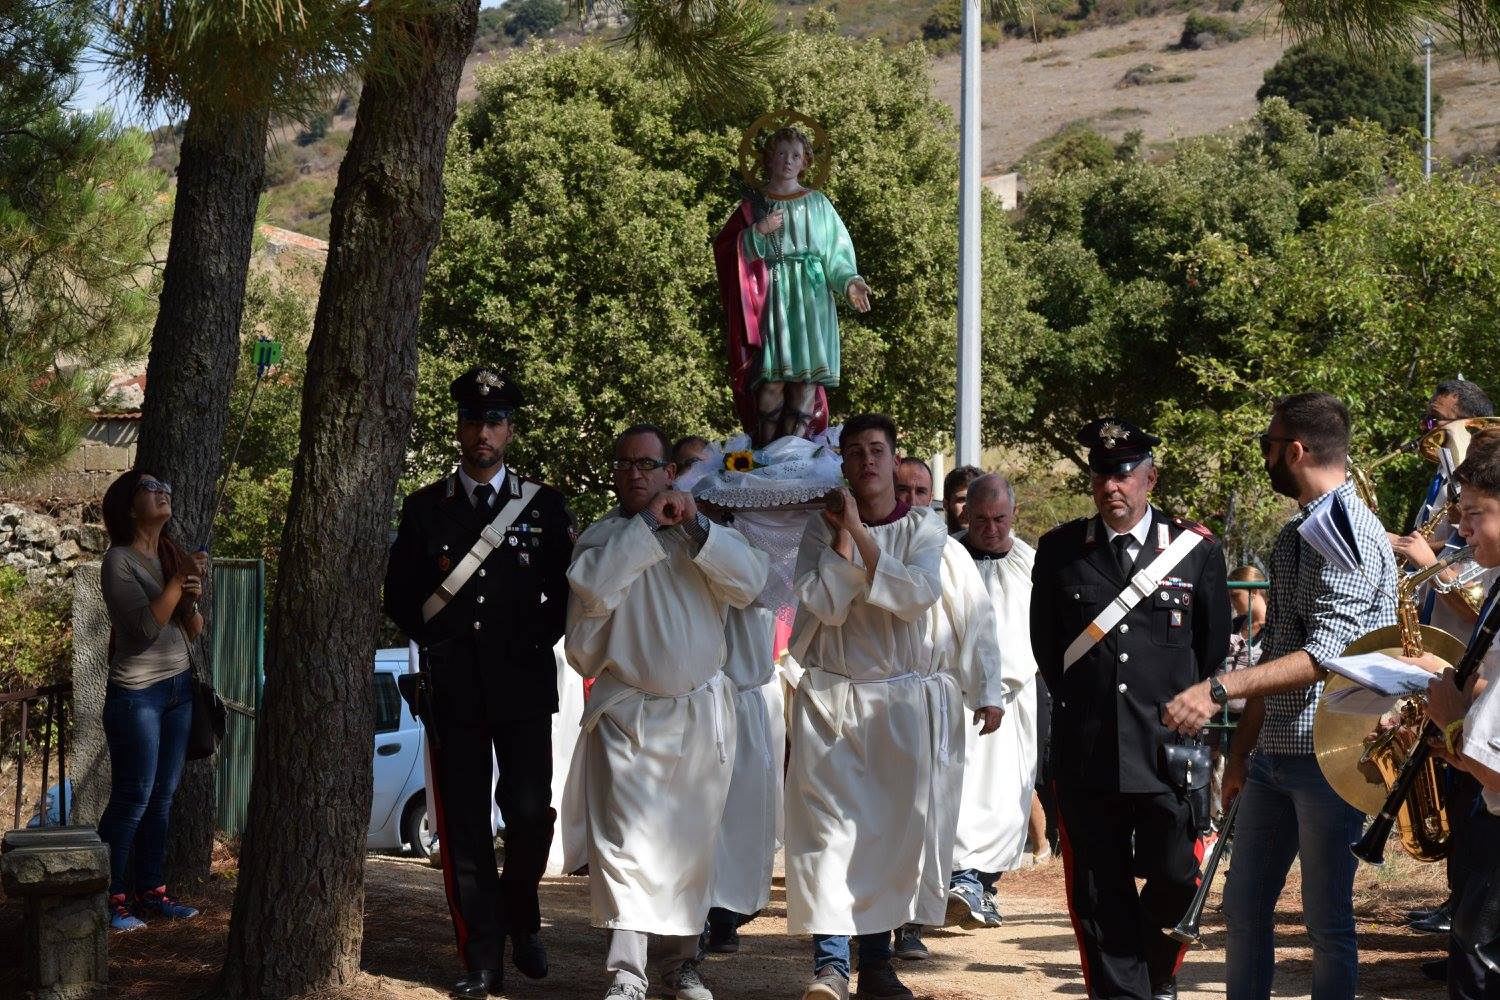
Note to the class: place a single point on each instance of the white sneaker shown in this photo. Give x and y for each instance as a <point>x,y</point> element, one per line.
<point>625,991</point>
<point>686,984</point>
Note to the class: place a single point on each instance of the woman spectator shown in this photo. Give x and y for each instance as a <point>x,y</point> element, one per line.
<point>151,590</point>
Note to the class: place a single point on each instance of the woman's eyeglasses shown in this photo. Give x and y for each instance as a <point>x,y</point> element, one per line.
<point>638,464</point>
<point>156,486</point>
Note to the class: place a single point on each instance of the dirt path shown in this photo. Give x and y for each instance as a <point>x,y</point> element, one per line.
<point>408,950</point>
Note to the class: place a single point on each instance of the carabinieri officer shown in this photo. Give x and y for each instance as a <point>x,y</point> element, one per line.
<point>477,578</point>
<point>1127,608</point>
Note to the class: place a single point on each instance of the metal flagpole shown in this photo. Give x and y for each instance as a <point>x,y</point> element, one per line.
<point>1427,129</point>
<point>966,438</point>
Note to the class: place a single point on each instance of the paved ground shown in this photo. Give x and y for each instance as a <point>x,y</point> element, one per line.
<point>408,953</point>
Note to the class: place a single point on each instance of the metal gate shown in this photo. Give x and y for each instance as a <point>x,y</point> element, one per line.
<point>239,676</point>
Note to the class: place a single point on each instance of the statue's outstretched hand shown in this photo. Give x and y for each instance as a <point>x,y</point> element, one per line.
<point>770,223</point>
<point>859,295</point>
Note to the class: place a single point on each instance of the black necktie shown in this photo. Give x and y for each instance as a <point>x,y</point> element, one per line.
<point>484,496</point>
<point>1122,555</point>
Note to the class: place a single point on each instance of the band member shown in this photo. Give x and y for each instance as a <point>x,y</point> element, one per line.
<point>1453,400</point>
<point>1470,722</point>
<point>485,617</point>
<point>652,583</point>
<point>1127,607</point>
<point>1314,610</point>
<point>868,570</point>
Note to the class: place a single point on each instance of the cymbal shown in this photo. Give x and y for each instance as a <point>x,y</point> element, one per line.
<point>1339,738</point>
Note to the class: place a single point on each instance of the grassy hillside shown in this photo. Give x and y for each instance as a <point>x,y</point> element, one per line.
<point>1111,66</point>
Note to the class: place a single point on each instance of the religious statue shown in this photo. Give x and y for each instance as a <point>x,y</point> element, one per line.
<point>781,258</point>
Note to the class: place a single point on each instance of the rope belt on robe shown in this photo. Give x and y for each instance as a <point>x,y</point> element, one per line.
<point>609,691</point>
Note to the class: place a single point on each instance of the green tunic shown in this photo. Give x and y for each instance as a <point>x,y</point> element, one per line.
<point>799,328</point>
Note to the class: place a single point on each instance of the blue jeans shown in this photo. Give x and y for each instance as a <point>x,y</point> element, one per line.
<point>1290,809</point>
<point>833,950</point>
<point>147,731</point>
<point>980,882</point>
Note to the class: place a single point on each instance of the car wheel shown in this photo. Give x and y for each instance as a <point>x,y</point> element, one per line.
<point>418,832</point>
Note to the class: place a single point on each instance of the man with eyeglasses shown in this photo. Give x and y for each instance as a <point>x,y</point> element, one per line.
<point>1315,609</point>
<point>652,583</point>
<point>477,579</point>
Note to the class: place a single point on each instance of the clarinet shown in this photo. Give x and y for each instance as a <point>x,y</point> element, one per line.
<point>1370,848</point>
<point>1189,928</point>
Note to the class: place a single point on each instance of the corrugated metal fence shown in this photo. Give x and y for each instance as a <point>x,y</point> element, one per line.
<point>239,676</point>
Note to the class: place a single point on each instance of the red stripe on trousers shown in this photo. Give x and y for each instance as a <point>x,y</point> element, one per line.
<point>460,929</point>
<point>1066,847</point>
<point>1197,853</point>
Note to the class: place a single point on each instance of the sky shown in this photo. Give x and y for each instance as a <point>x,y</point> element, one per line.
<point>96,90</point>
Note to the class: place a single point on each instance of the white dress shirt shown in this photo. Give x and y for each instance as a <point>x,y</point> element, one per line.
<point>468,482</point>
<point>1137,534</point>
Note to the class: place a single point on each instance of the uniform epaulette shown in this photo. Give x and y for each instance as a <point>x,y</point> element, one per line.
<point>1194,526</point>
<point>1064,526</point>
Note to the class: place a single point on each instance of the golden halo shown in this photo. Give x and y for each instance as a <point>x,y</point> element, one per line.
<point>770,122</point>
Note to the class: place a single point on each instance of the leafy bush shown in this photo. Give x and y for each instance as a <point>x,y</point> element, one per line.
<point>316,129</point>
<point>1205,31</point>
<point>948,19</point>
<point>1332,86</point>
<point>36,632</point>
<point>528,18</point>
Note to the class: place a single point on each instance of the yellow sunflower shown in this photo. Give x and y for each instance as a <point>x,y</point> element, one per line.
<point>739,461</point>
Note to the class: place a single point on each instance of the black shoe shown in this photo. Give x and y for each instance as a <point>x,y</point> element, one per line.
<point>1440,922</point>
<point>1420,914</point>
<point>723,939</point>
<point>1436,970</point>
<point>529,955</point>
<point>909,946</point>
<point>1166,991</point>
<point>478,985</point>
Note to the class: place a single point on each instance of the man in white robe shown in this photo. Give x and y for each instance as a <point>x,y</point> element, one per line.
<point>1000,773</point>
<point>652,583</point>
<point>961,667</point>
<point>747,838</point>
<point>859,783</point>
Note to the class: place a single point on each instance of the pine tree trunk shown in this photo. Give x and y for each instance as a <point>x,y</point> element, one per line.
<point>194,348</point>
<point>298,911</point>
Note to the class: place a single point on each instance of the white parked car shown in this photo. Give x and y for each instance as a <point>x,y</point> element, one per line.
<point>398,809</point>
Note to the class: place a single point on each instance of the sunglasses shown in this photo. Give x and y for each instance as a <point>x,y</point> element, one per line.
<point>638,464</point>
<point>1266,441</point>
<point>156,486</point>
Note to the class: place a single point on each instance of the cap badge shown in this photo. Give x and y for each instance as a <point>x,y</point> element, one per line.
<point>1113,435</point>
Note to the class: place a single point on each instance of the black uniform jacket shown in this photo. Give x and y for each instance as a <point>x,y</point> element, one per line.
<point>509,614</point>
<point>1107,731</point>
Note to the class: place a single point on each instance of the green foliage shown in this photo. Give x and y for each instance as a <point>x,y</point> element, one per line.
<point>946,20</point>
<point>1129,307</point>
<point>1203,31</point>
<point>36,632</point>
<point>77,205</point>
<point>255,499</point>
<point>526,19</point>
<point>1332,86</point>
<point>583,191</point>
<point>316,129</point>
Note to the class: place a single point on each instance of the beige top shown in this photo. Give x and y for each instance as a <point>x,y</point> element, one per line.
<point>144,651</point>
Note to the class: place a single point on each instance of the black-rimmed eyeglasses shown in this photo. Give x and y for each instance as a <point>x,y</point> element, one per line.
<point>638,464</point>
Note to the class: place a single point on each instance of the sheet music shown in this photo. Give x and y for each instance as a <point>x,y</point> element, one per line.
<point>1381,673</point>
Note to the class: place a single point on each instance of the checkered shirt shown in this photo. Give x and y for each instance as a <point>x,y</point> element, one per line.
<point>1319,608</point>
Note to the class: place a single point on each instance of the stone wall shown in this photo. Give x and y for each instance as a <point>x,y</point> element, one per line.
<point>106,449</point>
<point>45,549</point>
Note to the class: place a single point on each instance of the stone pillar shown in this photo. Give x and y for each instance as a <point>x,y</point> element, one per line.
<point>62,874</point>
<point>88,767</point>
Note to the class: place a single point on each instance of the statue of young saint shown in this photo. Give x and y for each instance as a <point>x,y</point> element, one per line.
<point>781,258</point>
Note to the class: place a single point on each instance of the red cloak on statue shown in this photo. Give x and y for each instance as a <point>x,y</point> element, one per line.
<point>744,284</point>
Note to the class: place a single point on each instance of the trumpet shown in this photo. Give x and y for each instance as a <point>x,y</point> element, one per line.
<point>1188,929</point>
<point>1370,848</point>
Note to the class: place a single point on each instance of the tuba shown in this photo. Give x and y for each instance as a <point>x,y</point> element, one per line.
<point>1363,755</point>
